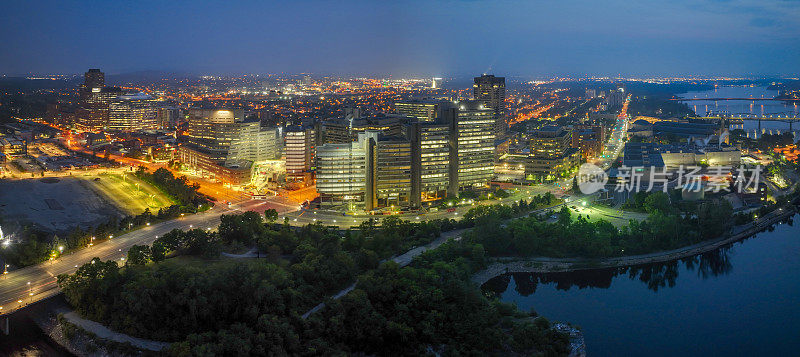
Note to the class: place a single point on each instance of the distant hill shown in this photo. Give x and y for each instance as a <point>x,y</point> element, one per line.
<point>144,77</point>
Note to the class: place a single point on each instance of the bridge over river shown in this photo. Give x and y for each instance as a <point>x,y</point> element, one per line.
<point>748,99</point>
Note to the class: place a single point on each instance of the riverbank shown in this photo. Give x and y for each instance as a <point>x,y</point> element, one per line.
<point>505,265</point>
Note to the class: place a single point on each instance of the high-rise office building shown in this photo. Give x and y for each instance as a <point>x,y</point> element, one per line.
<point>391,163</point>
<point>374,171</point>
<point>346,129</point>
<point>431,149</point>
<point>299,154</point>
<point>223,144</point>
<point>436,156</point>
<point>341,170</point>
<point>93,81</point>
<point>131,112</point>
<point>473,135</point>
<point>95,97</point>
<point>168,117</point>
<point>491,91</point>
<point>422,110</point>
<point>551,153</point>
<point>615,98</point>
<point>589,139</point>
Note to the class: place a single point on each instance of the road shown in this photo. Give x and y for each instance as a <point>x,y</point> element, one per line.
<point>337,218</point>
<point>23,286</point>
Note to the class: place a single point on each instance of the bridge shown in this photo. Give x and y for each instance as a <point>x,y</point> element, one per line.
<point>727,117</point>
<point>748,99</point>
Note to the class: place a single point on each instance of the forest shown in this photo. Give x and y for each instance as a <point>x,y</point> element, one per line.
<point>179,290</point>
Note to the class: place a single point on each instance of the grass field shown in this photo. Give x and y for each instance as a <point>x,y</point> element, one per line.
<point>129,193</point>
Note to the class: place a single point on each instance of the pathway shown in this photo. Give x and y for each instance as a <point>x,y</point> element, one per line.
<point>107,334</point>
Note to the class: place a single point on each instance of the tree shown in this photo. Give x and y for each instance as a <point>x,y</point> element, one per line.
<point>244,228</point>
<point>575,188</point>
<point>271,215</point>
<point>657,202</point>
<point>139,255</point>
<point>564,216</point>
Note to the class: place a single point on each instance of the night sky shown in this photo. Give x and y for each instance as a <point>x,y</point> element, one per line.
<point>404,38</point>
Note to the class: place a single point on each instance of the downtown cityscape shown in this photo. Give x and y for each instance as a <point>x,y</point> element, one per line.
<point>417,178</point>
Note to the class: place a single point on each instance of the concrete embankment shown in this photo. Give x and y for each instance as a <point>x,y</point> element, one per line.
<point>549,265</point>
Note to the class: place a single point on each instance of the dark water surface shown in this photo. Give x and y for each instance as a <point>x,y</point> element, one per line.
<point>26,339</point>
<point>741,300</point>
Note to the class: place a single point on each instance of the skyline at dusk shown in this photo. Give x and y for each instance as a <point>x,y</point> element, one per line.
<point>439,38</point>
<point>400,178</point>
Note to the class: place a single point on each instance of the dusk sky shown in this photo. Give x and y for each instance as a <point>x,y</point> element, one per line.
<point>404,38</point>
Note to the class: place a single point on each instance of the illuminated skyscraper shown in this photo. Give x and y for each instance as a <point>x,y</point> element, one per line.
<point>431,149</point>
<point>491,91</point>
<point>551,154</point>
<point>299,153</point>
<point>223,144</point>
<point>473,135</point>
<point>95,97</point>
<point>93,82</point>
<point>132,112</point>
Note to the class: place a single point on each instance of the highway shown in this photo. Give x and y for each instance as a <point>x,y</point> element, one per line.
<point>24,286</point>
<point>21,287</point>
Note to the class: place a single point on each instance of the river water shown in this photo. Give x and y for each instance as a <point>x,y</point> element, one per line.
<point>26,338</point>
<point>740,300</point>
<point>746,107</point>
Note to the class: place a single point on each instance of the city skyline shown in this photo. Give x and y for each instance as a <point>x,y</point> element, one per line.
<point>445,177</point>
<point>442,38</point>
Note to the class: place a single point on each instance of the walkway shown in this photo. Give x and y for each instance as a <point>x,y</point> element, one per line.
<point>401,260</point>
<point>105,333</point>
<point>407,257</point>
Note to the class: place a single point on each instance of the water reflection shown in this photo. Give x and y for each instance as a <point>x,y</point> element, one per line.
<point>688,307</point>
<point>654,276</point>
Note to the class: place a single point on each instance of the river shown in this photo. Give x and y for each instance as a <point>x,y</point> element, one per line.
<point>746,107</point>
<point>740,300</point>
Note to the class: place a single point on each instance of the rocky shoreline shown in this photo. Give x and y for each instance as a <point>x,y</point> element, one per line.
<point>577,344</point>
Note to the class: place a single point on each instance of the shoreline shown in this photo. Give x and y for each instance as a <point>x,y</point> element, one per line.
<point>505,265</point>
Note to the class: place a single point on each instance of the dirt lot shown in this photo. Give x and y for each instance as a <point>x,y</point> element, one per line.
<point>55,204</point>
